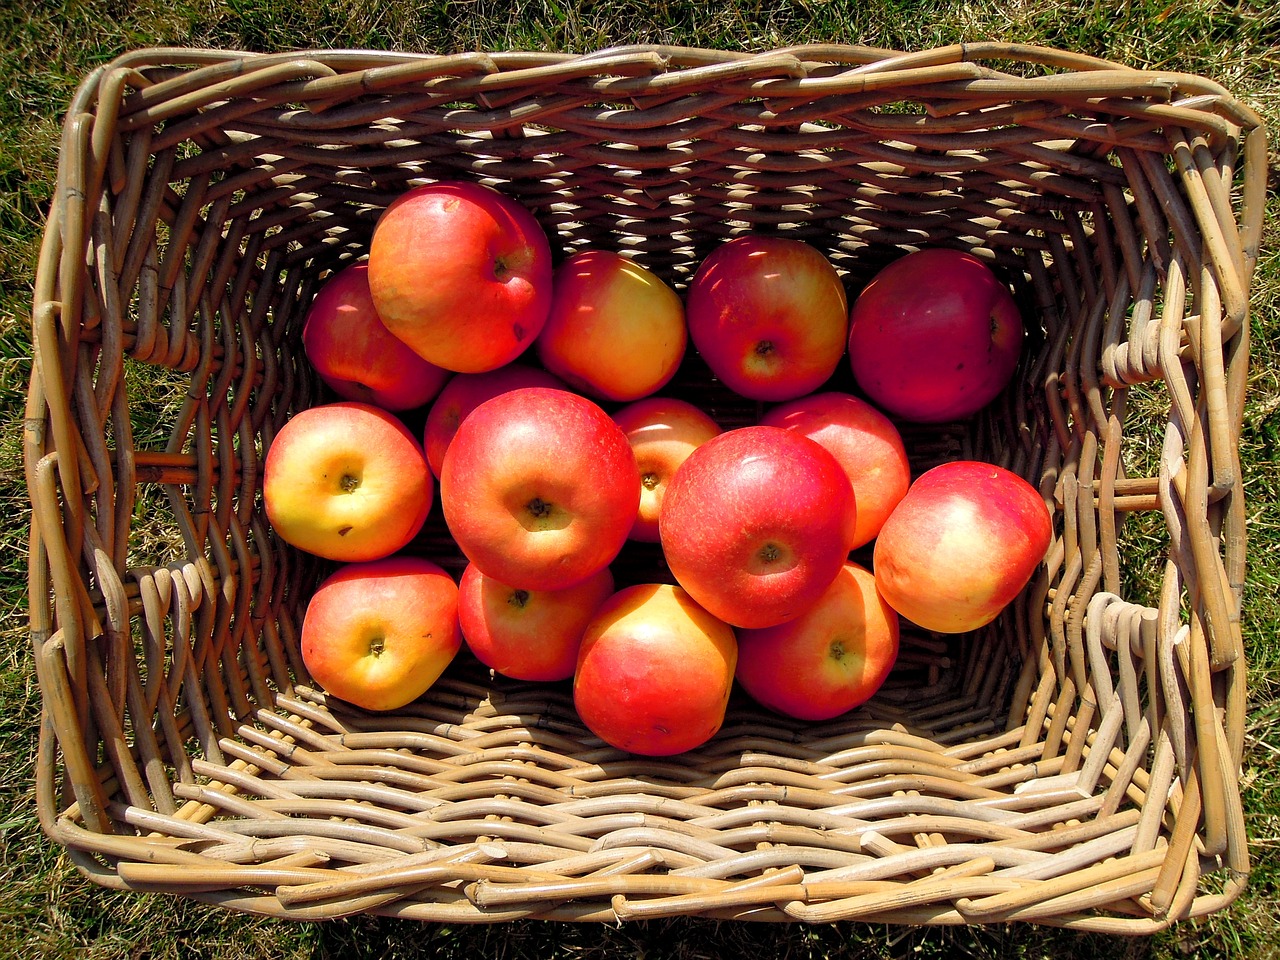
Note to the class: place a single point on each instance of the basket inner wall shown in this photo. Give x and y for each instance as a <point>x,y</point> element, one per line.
<point>247,208</point>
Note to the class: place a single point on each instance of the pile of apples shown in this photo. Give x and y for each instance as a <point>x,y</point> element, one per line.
<point>547,469</point>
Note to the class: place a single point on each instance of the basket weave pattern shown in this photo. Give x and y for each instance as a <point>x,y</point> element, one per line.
<point>1075,763</point>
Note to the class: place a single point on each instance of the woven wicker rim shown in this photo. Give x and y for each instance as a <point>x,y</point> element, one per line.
<point>1075,764</point>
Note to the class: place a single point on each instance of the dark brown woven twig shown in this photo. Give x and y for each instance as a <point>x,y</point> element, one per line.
<point>1076,763</point>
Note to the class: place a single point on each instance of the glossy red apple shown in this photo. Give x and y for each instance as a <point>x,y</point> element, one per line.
<point>756,523</point>
<point>528,634</point>
<point>539,488</point>
<point>379,634</point>
<point>654,671</point>
<point>346,481</point>
<point>961,545</point>
<point>466,391</point>
<point>356,356</point>
<point>662,431</point>
<point>934,336</point>
<point>616,331</point>
<point>863,440</point>
<point>769,316</point>
<point>830,659</point>
<point>462,274</point>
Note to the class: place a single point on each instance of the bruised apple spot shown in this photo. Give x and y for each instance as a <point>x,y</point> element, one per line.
<point>518,331</point>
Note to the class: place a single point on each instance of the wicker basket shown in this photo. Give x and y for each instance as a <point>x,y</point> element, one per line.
<point>1076,763</point>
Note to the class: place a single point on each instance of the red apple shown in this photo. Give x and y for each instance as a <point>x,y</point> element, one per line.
<point>356,355</point>
<point>863,440</point>
<point>828,660</point>
<point>379,634</point>
<point>615,331</point>
<point>462,274</point>
<point>935,336</point>
<point>654,671</point>
<point>769,316</point>
<point>346,481</point>
<point>756,523</point>
<point>662,431</point>
<point>539,488</point>
<point>466,391</point>
<point>961,545</point>
<point>528,634</point>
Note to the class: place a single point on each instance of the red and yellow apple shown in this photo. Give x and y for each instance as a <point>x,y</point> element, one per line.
<point>863,440</point>
<point>466,391</point>
<point>830,659</point>
<point>355,354</point>
<point>528,634</point>
<point>379,634</point>
<point>654,671</point>
<point>539,488</point>
<point>769,316</point>
<point>662,431</point>
<point>346,481</point>
<point>935,336</point>
<point>756,523</point>
<point>615,331</point>
<point>961,545</point>
<point>462,274</point>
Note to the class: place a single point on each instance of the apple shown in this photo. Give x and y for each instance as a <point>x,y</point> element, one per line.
<point>528,634</point>
<point>935,336</point>
<point>769,315</point>
<point>961,545</point>
<point>662,431</point>
<point>379,634</point>
<point>355,354</point>
<point>615,330</point>
<point>466,391</point>
<point>654,671</point>
<point>346,481</point>
<point>462,274</point>
<point>863,440</point>
<point>756,523</point>
<point>539,488</point>
<point>828,660</point>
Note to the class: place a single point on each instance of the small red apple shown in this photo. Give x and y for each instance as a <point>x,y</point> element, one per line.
<point>866,443</point>
<point>379,634</point>
<point>615,331</point>
<point>528,634</point>
<point>961,545</point>
<point>769,315</point>
<point>346,481</point>
<point>462,274</point>
<point>828,660</point>
<point>466,391</point>
<point>356,356</point>
<point>654,671</point>
<point>756,523</point>
<point>934,336</point>
<point>662,431</point>
<point>539,488</point>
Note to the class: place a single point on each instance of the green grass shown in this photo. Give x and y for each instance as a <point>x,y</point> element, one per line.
<point>48,910</point>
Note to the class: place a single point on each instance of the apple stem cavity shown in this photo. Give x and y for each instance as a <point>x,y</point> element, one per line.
<point>518,598</point>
